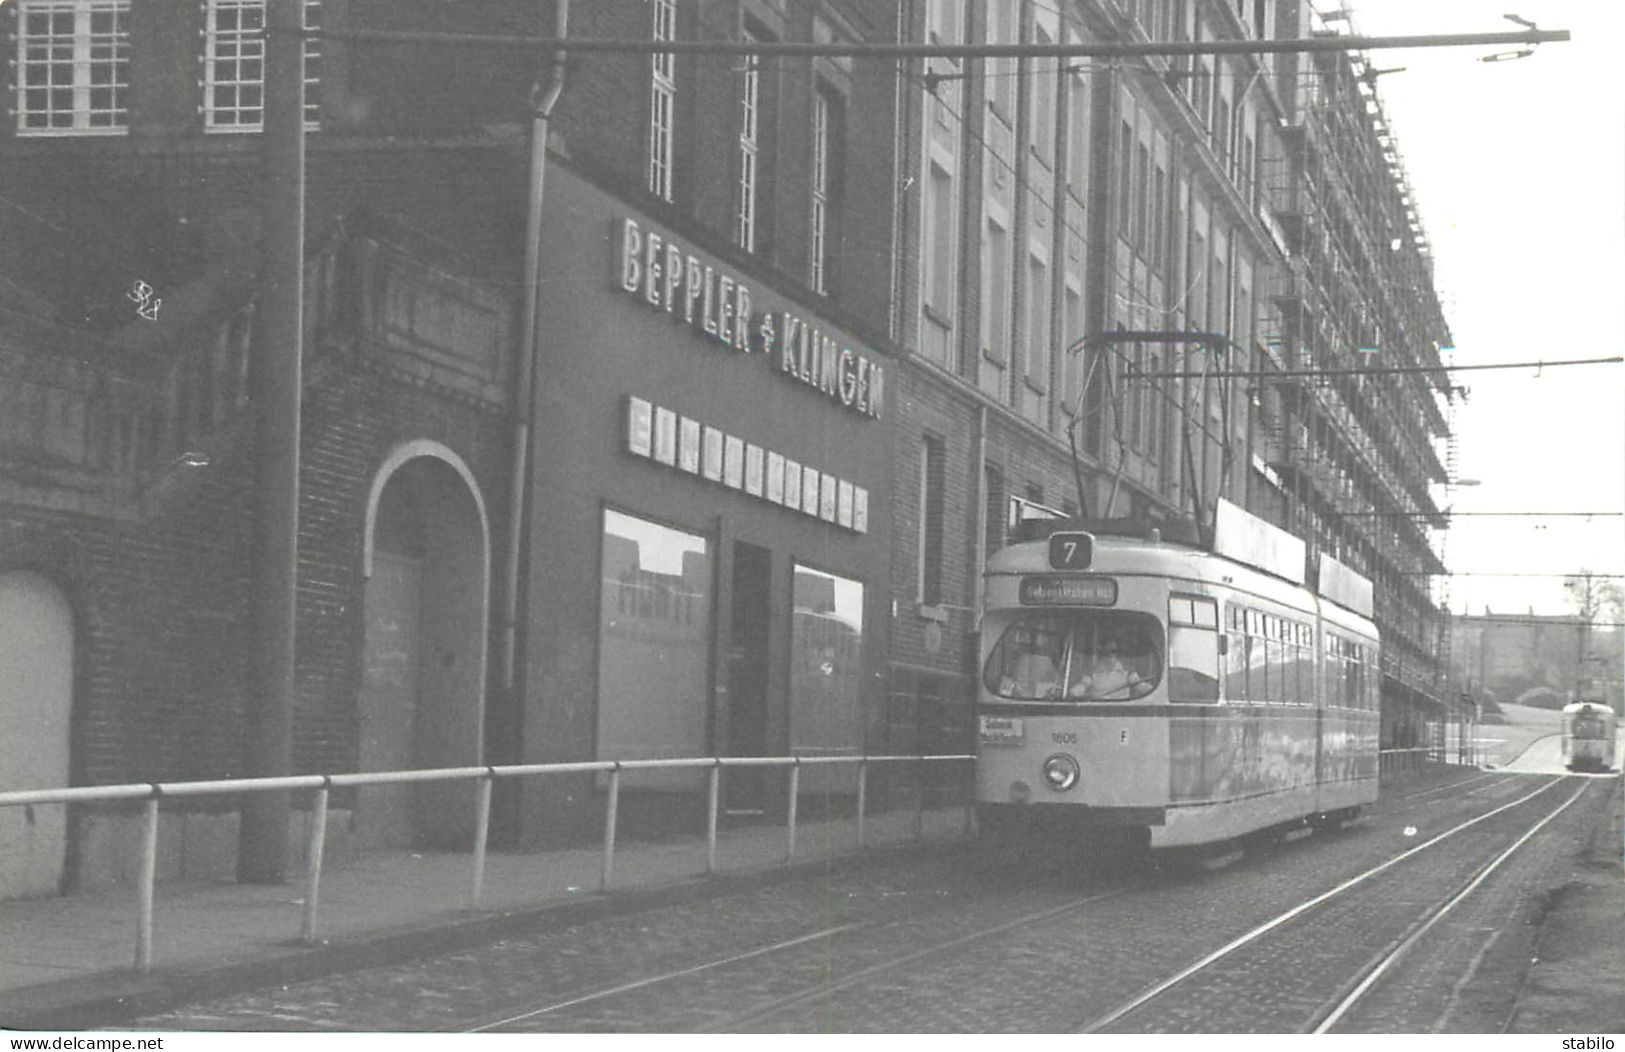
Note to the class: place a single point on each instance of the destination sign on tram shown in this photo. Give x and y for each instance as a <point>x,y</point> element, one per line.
<point>1068,591</point>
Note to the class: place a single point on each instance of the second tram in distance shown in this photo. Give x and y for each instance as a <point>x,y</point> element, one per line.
<point>1588,736</point>
<point>1138,691</point>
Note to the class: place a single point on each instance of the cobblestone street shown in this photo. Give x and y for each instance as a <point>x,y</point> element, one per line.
<point>957,941</point>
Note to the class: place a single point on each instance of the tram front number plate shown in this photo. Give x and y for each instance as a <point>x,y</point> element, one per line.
<point>1002,730</point>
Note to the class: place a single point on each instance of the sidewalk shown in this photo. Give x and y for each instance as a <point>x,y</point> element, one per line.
<point>68,962</point>
<point>1578,978</point>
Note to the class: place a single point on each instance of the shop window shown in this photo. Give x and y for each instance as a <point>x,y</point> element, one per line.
<point>654,642</point>
<point>826,664</point>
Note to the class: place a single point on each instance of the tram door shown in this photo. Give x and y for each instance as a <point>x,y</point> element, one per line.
<point>389,696</point>
<point>748,677</point>
<point>36,690</point>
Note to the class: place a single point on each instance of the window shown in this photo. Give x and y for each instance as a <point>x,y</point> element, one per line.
<point>654,643</point>
<point>1133,395</point>
<point>234,65</point>
<point>1221,130</point>
<point>993,478</point>
<point>1153,405</point>
<point>1072,364</point>
<point>1249,167</point>
<point>1038,300</point>
<point>662,100</point>
<point>1076,655</point>
<point>826,667</point>
<point>72,66</point>
<point>1193,648</point>
<point>1041,126</point>
<point>826,129</point>
<point>996,289</point>
<point>1077,129</point>
<point>933,484</point>
<point>1336,674</point>
<point>1237,661</point>
<point>1125,181</point>
<point>1201,84</point>
<point>1159,218</point>
<point>1142,194</point>
<point>749,147</point>
<point>939,261</point>
<point>1001,72</point>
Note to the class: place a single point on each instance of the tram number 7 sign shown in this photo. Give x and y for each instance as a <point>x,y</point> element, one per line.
<point>1071,550</point>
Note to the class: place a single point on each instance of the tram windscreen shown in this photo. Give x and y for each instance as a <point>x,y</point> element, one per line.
<point>1076,655</point>
<point>1588,726</point>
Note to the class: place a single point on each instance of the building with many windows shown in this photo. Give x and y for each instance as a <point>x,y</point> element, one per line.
<point>1064,220</point>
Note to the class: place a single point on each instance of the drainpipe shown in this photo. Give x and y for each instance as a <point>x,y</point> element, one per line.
<point>900,144</point>
<point>980,547</point>
<point>262,838</point>
<point>543,95</point>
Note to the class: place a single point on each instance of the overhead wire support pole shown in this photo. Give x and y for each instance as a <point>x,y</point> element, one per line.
<point>849,49</point>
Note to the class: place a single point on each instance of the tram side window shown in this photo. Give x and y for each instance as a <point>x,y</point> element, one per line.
<point>1193,649</point>
<point>1235,658</point>
<point>1258,674</point>
<point>1354,684</point>
<point>1336,672</point>
<point>1302,678</point>
<point>1293,689</point>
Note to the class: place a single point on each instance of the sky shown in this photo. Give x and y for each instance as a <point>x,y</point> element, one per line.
<point>1518,173</point>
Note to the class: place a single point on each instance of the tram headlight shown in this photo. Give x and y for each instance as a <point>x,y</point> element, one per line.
<point>1061,772</point>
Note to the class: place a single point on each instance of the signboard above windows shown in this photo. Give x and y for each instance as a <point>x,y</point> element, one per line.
<point>666,437</point>
<point>655,270</point>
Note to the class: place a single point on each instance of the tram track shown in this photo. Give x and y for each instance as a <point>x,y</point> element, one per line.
<point>805,993</point>
<point>1061,946</point>
<point>821,941</point>
<point>1386,961</point>
<point>1362,981</point>
<point>826,987</point>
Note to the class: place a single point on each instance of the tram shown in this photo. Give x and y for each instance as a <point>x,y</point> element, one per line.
<point>1588,736</point>
<point>1139,690</point>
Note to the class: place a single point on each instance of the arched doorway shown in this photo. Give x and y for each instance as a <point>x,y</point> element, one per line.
<point>36,693</point>
<point>423,656</point>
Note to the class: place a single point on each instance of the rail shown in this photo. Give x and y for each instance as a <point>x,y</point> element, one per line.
<point>320,785</point>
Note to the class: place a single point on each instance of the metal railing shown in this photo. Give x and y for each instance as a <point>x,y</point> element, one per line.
<point>1394,762</point>
<point>321,785</point>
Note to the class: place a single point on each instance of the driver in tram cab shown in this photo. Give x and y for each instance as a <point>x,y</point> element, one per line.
<point>1035,677</point>
<point>1108,677</point>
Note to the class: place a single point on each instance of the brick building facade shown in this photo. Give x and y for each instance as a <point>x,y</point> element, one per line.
<point>133,218</point>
